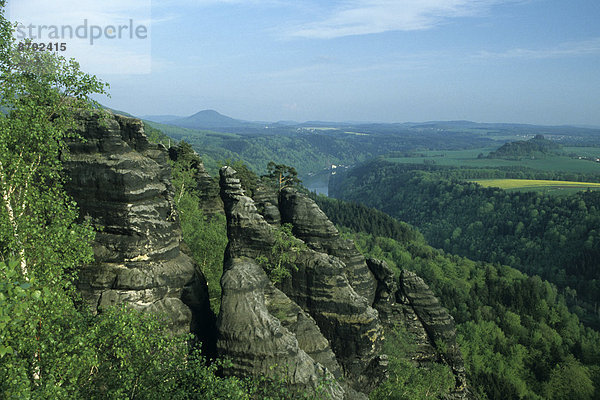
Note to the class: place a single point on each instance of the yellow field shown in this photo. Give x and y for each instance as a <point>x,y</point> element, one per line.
<point>533,184</point>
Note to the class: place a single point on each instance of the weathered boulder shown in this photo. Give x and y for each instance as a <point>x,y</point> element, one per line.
<point>121,183</point>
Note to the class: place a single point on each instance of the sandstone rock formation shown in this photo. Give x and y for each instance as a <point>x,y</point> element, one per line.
<point>340,331</point>
<point>327,320</point>
<point>313,227</point>
<point>342,302</point>
<point>266,334</point>
<point>121,183</point>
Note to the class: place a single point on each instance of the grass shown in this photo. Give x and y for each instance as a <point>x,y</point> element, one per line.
<point>468,158</point>
<point>544,186</point>
<point>527,183</point>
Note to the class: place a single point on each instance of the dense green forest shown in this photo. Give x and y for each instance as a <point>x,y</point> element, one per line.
<point>516,334</point>
<point>556,238</point>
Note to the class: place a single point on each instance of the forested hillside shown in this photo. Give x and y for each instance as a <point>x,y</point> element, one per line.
<point>184,259</point>
<point>535,147</point>
<point>556,238</point>
<point>517,336</point>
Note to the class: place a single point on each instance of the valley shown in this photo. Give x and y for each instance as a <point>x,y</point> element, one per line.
<point>271,200</point>
<point>507,210</point>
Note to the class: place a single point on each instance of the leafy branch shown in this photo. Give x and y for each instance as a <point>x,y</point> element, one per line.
<point>283,255</point>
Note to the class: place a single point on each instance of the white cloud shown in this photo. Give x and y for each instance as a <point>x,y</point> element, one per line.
<point>359,17</point>
<point>570,49</point>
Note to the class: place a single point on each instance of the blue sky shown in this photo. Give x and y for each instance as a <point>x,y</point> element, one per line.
<point>527,61</point>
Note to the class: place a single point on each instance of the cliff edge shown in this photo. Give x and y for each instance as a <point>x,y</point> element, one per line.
<point>121,183</point>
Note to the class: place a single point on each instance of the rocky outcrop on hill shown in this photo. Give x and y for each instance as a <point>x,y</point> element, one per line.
<point>266,334</point>
<point>336,305</point>
<point>326,320</point>
<point>340,330</point>
<point>121,183</point>
<point>313,227</point>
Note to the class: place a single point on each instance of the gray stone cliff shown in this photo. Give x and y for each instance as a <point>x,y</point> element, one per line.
<point>327,320</point>
<point>344,301</point>
<point>121,183</point>
<point>340,331</point>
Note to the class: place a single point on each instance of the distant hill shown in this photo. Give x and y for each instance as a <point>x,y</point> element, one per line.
<point>211,119</point>
<point>539,146</point>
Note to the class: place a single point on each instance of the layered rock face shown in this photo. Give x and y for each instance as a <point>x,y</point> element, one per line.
<point>326,321</point>
<point>265,333</point>
<point>121,183</point>
<point>339,330</point>
<point>329,316</point>
<point>318,232</point>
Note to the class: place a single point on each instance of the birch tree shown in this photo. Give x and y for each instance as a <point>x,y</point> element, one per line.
<point>40,95</point>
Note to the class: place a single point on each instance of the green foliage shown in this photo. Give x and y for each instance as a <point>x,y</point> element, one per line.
<point>535,147</point>
<point>284,253</point>
<point>513,330</point>
<point>570,381</point>
<point>206,236</point>
<point>157,136</point>
<point>281,176</point>
<point>554,237</point>
<point>280,388</point>
<point>51,350</point>
<point>360,218</point>
<point>407,381</point>
<point>42,94</point>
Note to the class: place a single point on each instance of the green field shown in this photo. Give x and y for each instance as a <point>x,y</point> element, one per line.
<point>545,186</point>
<point>469,158</point>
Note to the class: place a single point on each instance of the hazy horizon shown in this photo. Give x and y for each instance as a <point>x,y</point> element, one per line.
<point>512,61</point>
<point>148,116</point>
